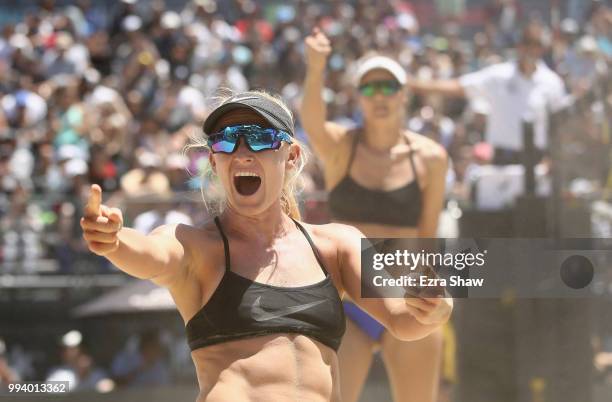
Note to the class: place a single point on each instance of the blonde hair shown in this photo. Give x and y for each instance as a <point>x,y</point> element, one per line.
<point>212,191</point>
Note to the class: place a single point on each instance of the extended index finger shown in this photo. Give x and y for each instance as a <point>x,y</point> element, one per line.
<point>92,209</point>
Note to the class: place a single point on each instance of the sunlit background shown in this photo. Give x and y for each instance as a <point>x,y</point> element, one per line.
<point>109,92</point>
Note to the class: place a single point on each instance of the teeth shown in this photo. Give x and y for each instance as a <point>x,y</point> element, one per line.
<point>250,174</point>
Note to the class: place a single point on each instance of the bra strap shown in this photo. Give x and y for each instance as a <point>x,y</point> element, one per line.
<point>315,250</point>
<point>225,244</point>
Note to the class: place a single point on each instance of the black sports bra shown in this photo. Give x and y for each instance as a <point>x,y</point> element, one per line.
<point>242,308</point>
<point>351,202</point>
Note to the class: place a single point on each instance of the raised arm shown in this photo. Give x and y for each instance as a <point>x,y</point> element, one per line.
<point>159,256</point>
<point>323,135</point>
<point>407,319</point>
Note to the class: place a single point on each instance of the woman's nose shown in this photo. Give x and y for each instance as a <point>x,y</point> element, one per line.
<point>243,152</point>
<point>378,96</point>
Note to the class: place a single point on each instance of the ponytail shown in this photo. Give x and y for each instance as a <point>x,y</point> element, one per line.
<point>290,206</point>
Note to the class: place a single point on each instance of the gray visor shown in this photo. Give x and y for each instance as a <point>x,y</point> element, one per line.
<point>271,111</point>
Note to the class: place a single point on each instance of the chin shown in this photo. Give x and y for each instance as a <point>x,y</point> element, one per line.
<point>248,206</point>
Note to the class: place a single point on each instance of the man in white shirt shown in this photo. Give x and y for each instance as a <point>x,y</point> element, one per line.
<point>520,90</point>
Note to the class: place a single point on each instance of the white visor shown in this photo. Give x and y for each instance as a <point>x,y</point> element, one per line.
<point>380,62</point>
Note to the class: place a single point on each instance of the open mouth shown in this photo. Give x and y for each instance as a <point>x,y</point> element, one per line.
<point>247,183</point>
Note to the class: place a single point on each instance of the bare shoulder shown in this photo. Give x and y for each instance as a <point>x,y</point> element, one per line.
<point>204,237</point>
<point>186,234</point>
<point>433,155</point>
<point>428,149</point>
<point>340,136</point>
<point>336,235</point>
<point>335,130</point>
<point>336,243</point>
<point>342,231</point>
<point>197,241</point>
<point>175,229</point>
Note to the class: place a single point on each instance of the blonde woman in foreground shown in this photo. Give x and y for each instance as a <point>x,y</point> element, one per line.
<point>260,292</point>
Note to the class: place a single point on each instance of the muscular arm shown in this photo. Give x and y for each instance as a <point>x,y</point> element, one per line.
<point>158,256</point>
<point>395,314</point>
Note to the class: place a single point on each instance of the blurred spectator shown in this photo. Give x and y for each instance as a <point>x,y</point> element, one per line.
<point>163,214</point>
<point>23,109</point>
<point>21,228</point>
<point>78,367</point>
<point>431,122</point>
<point>516,91</point>
<point>144,365</point>
<point>7,374</point>
<point>147,178</point>
<point>175,168</point>
<point>66,57</point>
<point>585,65</point>
<point>502,19</point>
<point>599,25</point>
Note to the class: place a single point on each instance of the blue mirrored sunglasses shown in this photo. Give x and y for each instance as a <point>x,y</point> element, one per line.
<point>257,138</point>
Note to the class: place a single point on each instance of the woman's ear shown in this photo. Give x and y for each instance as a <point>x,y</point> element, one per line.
<point>211,161</point>
<point>294,155</point>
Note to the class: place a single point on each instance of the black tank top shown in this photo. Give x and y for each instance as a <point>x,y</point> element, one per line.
<point>351,202</point>
<point>242,308</point>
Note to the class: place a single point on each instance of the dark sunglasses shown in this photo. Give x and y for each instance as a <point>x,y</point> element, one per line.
<point>386,87</point>
<point>257,138</point>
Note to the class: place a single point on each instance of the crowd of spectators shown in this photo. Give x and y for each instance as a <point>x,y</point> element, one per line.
<point>113,95</point>
<point>91,93</point>
<point>142,361</point>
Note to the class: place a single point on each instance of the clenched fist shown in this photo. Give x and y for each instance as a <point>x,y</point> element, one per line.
<point>318,49</point>
<point>101,224</point>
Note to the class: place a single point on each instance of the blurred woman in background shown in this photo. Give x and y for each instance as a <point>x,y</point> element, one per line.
<point>389,183</point>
